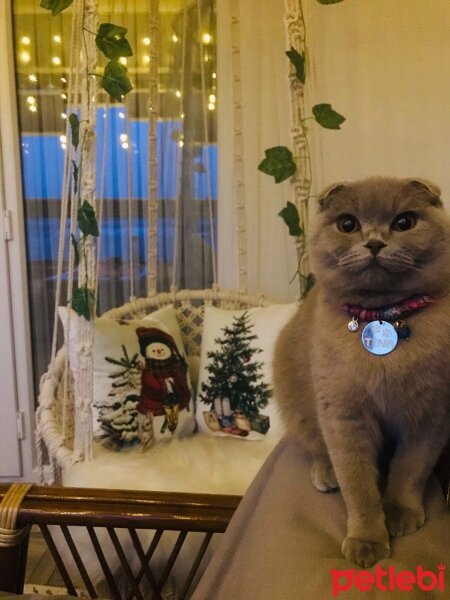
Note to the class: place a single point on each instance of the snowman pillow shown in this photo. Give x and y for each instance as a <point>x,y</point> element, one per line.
<point>142,390</point>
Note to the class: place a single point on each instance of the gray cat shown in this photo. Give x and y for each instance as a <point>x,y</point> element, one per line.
<point>367,356</point>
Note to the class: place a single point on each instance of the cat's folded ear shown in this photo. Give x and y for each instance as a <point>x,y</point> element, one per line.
<point>336,189</point>
<point>429,190</point>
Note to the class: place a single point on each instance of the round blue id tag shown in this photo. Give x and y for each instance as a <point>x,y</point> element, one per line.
<point>379,337</point>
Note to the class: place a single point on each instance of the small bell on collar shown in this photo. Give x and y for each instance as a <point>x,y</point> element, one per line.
<point>353,325</point>
<point>402,329</point>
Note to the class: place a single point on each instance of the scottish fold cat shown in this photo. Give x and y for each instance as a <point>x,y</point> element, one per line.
<point>366,359</point>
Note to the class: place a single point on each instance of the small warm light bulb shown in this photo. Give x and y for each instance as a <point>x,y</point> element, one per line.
<point>178,94</point>
<point>57,39</point>
<point>125,145</point>
<point>211,106</point>
<point>123,60</point>
<point>206,38</point>
<point>214,75</point>
<point>146,59</point>
<point>63,116</point>
<point>121,115</point>
<point>63,139</point>
<point>64,96</point>
<point>181,143</point>
<point>24,57</point>
<point>32,77</point>
<point>212,98</point>
<point>63,79</point>
<point>25,40</point>
<point>33,107</point>
<point>31,100</point>
<point>56,60</point>
<point>123,137</point>
<point>146,41</point>
<point>174,38</point>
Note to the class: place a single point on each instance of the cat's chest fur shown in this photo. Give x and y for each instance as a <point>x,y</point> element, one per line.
<point>404,384</point>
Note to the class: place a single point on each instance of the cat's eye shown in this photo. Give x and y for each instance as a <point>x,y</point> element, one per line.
<point>348,224</point>
<point>404,221</point>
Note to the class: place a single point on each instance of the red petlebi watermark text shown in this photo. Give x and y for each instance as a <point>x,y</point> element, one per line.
<point>387,580</point>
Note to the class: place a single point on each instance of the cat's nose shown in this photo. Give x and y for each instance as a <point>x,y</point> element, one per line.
<point>375,246</point>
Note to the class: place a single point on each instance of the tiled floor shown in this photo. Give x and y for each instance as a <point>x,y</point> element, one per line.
<point>41,568</point>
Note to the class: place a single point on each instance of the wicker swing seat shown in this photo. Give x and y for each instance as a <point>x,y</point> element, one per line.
<point>55,417</point>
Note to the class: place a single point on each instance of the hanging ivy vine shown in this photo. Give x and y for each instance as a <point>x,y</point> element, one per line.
<point>111,41</point>
<point>279,161</point>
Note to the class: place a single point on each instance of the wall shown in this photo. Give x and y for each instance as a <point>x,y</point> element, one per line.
<point>383,64</point>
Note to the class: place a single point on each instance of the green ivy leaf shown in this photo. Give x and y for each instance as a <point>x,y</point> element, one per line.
<point>298,60</point>
<point>75,249</point>
<point>87,221</point>
<point>83,302</point>
<point>75,176</point>
<point>75,128</point>
<point>115,80</point>
<point>56,6</point>
<point>327,117</point>
<point>328,1</point>
<point>110,40</point>
<point>290,216</point>
<point>278,163</point>
<point>309,281</point>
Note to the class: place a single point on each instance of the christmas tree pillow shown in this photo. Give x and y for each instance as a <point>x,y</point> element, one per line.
<point>234,395</point>
<point>142,390</point>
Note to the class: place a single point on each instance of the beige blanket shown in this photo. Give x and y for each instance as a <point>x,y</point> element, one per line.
<point>284,543</point>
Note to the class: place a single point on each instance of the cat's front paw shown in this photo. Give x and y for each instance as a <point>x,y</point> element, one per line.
<point>364,552</point>
<point>401,520</point>
<point>323,476</point>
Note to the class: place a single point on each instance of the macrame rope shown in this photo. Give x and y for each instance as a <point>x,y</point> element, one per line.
<point>9,510</point>
<point>206,145</point>
<point>179,156</point>
<point>301,180</point>
<point>101,198</point>
<point>87,269</point>
<point>129,203</point>
<point>238,146</point>
<point>153,112</point>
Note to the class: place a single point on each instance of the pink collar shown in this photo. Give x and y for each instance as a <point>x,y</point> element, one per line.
<point>390,312</point>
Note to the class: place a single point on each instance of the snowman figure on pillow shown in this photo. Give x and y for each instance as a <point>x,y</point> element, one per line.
<point>165,389</point>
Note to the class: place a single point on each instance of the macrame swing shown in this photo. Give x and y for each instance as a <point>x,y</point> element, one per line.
<point>64,414</point>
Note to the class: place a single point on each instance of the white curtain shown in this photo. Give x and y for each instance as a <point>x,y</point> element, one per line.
<point>382,64</point>
<point>266,118</point>
<point>186,154</point>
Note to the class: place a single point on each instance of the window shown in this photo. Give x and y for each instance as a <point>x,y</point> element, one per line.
<point>186,153</point>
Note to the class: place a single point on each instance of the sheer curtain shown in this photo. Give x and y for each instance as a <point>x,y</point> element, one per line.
<point>271,262</point>
<point>186,153</point>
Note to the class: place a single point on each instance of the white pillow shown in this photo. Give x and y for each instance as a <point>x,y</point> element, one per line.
<point>225,403</point>
<point>136,399</point>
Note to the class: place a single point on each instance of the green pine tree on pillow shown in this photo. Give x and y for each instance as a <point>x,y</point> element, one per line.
<point>235,390</point>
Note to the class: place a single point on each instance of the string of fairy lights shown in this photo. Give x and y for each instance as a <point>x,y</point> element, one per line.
<point>26,60</point>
